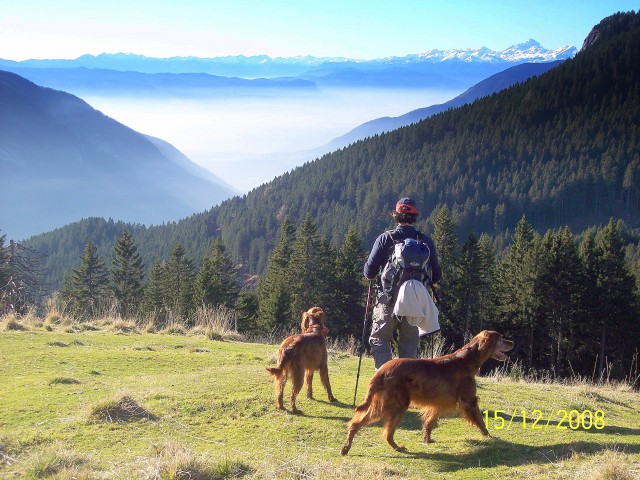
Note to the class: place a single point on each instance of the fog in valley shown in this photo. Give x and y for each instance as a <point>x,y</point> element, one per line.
<point>249,139</point>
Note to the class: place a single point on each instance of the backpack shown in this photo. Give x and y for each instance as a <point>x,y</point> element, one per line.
<point>409,260</point>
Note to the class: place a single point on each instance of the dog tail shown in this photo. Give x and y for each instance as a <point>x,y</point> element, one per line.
<point>370,403</point>
<point>284,359</point>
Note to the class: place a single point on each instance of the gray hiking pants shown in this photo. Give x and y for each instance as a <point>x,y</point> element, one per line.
<point>384,323</point>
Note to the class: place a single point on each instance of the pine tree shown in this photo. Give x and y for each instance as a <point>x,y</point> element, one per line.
<point>216,281</point>
<point>154,301</point>
<point>351,287</point>
<point>465,293</point>
<point>304,270</point>
<point>560,283</point>
<point>327,289</point>
<point>274,292</point>
<point>247,311</point>
<point>446,242</point>
<point>178,285</point>
<point>487,289</point>
<point>89,284</point>
<point>617,324</point>
<point>127,275</point>
<point>517,277</point>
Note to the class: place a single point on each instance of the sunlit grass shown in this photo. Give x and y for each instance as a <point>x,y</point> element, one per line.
<point>122,404</point>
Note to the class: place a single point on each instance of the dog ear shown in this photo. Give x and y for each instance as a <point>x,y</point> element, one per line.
<point>305,322</point>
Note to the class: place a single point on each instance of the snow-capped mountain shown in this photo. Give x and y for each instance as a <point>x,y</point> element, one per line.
<point>529,51</point>
<point>265,66</point>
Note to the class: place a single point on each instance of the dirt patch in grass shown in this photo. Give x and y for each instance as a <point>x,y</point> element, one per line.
<point>64,381</point>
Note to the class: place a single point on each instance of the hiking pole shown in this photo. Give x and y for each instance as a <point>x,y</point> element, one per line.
<point>364,335</point>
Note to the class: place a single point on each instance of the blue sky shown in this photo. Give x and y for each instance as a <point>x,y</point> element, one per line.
<point>361,29</point>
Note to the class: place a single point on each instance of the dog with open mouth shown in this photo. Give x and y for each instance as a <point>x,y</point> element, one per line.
<point>438,385</point>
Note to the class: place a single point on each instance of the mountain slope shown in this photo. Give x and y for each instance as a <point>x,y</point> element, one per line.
<point>493,84</point>
<point>62,161</point>
<point>562,148</point>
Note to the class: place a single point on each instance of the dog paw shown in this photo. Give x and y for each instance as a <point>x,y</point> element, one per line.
<point>400,448</point>
<point>345,449</point>
<point>333,399</point>
<point>295,411</point>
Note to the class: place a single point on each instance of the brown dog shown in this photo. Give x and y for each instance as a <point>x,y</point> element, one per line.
<point>303,353</point>
<point>438,385</point>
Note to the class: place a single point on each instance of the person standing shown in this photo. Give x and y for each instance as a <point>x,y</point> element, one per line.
<point>384,321</point>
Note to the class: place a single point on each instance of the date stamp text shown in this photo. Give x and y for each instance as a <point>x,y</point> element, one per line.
<point>538,420</point>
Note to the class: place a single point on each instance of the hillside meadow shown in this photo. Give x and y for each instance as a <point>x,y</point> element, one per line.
<point>107,400</point>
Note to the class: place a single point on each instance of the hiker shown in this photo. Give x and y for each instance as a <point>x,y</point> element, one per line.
<point>384,321</point>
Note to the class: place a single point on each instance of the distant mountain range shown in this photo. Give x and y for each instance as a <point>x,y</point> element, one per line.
<point>113,73</point>
<point>62,160</point>
<point>264,66</point>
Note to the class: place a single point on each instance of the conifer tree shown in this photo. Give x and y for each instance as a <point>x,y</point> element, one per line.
<point>348,312</point>
<point>465,293</point>
<point>305,268</point>
<point>517,277</point>
<point>154,294</point>
<point>327,289</point>
<point>247,310</point>
<point>616,325</point>
<point>216,281</point>
<point>178,285</point>
<point>127,275</point>
<point>274,292</point>
<point>89,284</point>
<point>445,239</point>
<point>560,283</point>
<point>487,283</point>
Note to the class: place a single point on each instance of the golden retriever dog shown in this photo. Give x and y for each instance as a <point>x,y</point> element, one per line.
<point>438,385</point>
<point>300,356</point>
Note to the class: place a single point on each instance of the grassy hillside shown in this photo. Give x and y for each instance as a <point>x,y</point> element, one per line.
<point>197,408</point>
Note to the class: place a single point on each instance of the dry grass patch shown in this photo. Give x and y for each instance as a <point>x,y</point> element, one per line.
<point>11,323</point>
<point>612,465</point>
<point>172,461</point>
<point>122,326</point>
<point>6,451</point>
<point>123,409</point>
<point>174,329</point>
<point>57,462</point>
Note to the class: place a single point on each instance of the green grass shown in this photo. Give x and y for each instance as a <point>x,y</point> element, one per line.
<point>127,405</point>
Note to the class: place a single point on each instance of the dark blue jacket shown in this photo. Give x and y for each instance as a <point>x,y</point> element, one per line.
<point>383,248</point>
